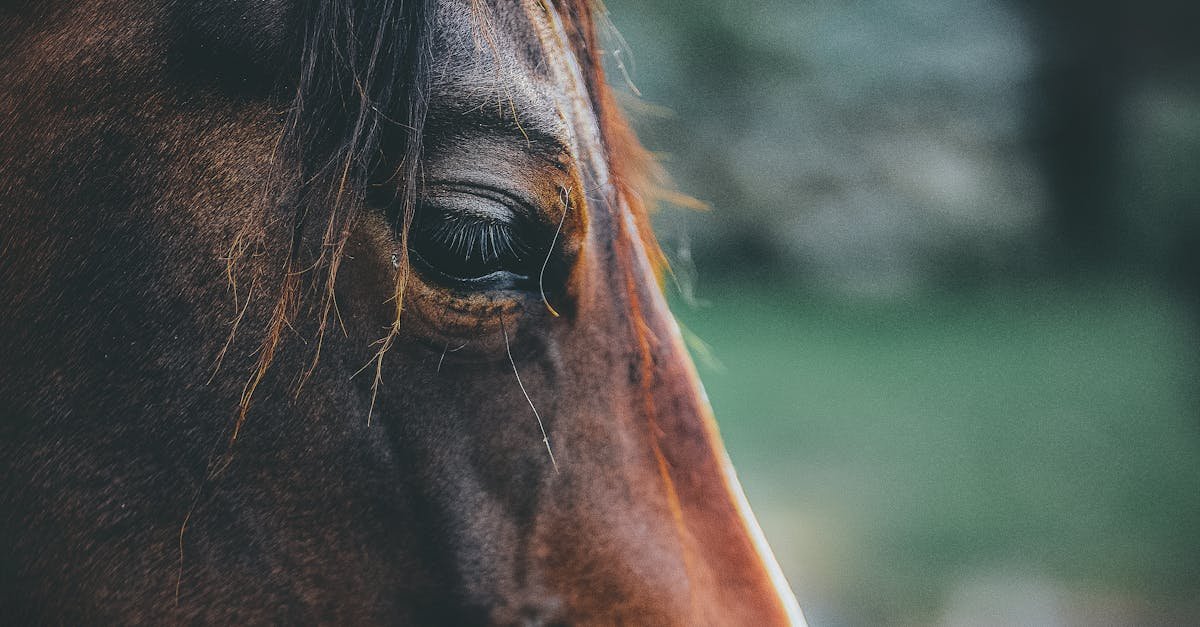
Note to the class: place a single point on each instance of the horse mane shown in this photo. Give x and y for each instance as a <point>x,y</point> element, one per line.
<point>361,93</point>
<point>359,84</point>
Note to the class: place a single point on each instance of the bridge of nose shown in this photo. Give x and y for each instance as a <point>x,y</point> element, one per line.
<point>648,502</point>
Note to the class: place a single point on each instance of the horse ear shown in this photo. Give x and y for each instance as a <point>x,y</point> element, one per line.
<point>241,46</point>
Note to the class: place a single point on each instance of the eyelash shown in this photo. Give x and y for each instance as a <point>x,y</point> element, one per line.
<point>485,240</point>
<point>460,246</point>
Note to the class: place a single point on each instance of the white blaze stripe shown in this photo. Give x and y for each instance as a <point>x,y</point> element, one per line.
<point>778,581</point>
<point>577,99</point>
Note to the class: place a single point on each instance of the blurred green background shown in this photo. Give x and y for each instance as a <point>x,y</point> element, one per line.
<point>947,301</point>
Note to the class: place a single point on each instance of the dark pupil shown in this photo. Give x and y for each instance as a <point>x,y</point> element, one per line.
<point>463,246</point>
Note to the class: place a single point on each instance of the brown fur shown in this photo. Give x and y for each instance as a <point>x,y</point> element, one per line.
<point>228,395</point>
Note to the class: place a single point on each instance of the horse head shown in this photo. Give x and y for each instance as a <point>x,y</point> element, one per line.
<point>345,311</point>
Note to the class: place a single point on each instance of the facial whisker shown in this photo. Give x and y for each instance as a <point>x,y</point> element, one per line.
<point>566,203</point>
<point>545,438</point>
<point>447,349</point>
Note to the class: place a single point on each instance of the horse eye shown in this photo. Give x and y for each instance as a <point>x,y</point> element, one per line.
<point>472,239</point>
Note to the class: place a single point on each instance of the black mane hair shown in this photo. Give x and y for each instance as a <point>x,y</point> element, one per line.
<point>352,130</point>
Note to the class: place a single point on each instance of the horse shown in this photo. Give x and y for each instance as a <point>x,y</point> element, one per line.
<point>333,311</point>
